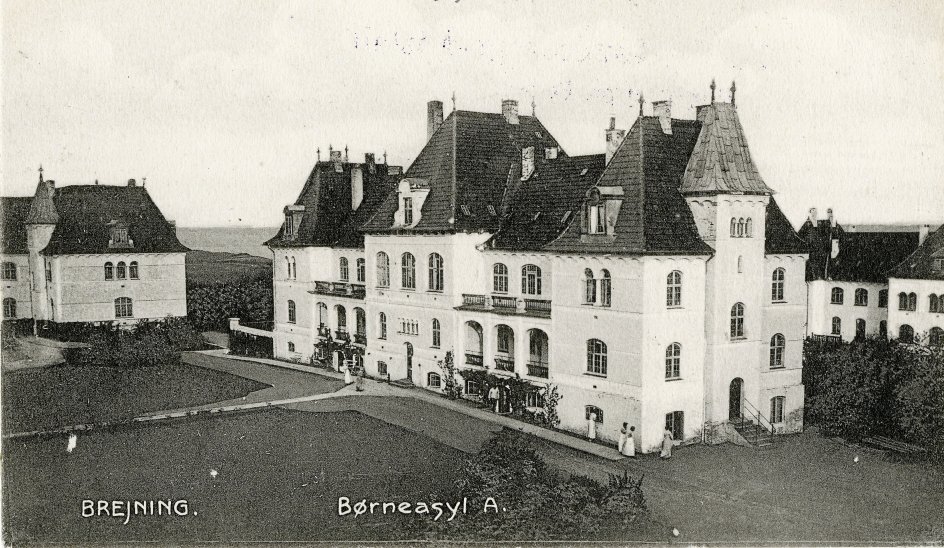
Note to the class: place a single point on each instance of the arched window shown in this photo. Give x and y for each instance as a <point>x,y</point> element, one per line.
<point>473,344</point>
<point>883,298</point>
<point>382,326</point>
<point>836,326</point>
<point>836,296</point>
<point>499,278</point>
<point>749,228</point>
<point>407,271</point>
<point>433,380</point>
<point>537,353</point>
<point>343,273</point>
<point>435,272</point>
<point>935,304</point>
<point>936,336</point>
<point>902,301</point>
<point>740,230</point>
<point>777,345</point>
<point>9,271</point>
<point>531,279</point>
<point>383,270</point>
<point>861,297</point>
<point>737,321</point>
<point>883,329</point>
<point>592,412</point>
<point>590,287</point>
<point>776,409</point>
<point>109,271</point>
<point>596,357</point>
<point>288,269</point>
<point>292,268</point>
<point>673,361</point>
<point>437,333</point>
<point>291,311</point>
<point>360,322</point>
<point>9,308</point>
<point>505,340</point>
<point>342,319</point>
<point>673,289</point>
<point>291,347</point>
<point>133,270</point>
<point>322,314</point>
<point>121,271</point>
<point>912,302</point>
<point>733,227</point>
<point>606,288</point>
<point>860,329</point>
<point>123,308</point>
<point>361,270</point>
<point>906,334</point>
<point>740,264</point>
<point>776,285</point>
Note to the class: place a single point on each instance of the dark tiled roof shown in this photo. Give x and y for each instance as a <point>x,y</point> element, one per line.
<point>14,211</point>
<point>467,162</point>
<point>85,212</point>
<point>862,257</point>
<point>654,217</point>
<point>721,161</point>
<point>543,205</point>
<point>781,238</point>
<point>920,264</point>
<point>42,209</point>
<point>328,219</point>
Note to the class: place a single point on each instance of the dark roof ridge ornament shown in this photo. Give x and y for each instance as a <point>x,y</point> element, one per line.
<point>733,89</point>
<point>712,90</point>
<point>453,100</point>
<point>642,101</point>
<point>40,173</point>
<point>318,152</point>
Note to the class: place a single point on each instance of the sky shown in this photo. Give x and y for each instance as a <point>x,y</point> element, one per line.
<point>221,105</point>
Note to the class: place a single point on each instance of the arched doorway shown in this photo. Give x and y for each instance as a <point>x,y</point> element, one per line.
<point>409,361</point>
<point>735,393</point>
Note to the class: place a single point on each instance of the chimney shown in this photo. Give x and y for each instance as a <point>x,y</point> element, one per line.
<point>663,109</point>
<point>131,182</point>
<point>371,164</point>
<point>923,231</point>
<point>434,117</point>
<point>613,139</point>
<point>527,163</point>
<point>357,186</point>
<point>813,216</point>
<point>510,110</point>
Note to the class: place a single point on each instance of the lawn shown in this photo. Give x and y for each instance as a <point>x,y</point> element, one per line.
<point>280,474</point>
<point>62,395</point>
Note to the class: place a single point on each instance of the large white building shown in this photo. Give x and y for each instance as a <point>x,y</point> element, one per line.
<point>657,284</point>
<point>916,288</point>
<point>90,254</point>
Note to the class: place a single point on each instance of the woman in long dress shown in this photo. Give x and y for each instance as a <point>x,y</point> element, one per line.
<point>666,444</point>
<point>592,426</point>
<point>629,446</point>
<point>622,438</point>
<point>347,375</point>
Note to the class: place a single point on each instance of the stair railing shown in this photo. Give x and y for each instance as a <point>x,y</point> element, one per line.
<point>761,423</point>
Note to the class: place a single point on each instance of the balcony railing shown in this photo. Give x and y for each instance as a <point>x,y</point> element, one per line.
<point>505,364</point>
<point>342,333</point>
<point>503,304</point>
<point>360,338</point>
<point>340,289</point>
<point>538,369</point>
<point>473,359</point>
<point>829,339</point>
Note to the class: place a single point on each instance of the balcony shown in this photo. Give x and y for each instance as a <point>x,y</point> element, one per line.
<point>828,339</point>
<point>340,289</point>
<point>505,364</point>
<point>538,369</point>
<point>342,334</point>
<point>360,338</point>
<point>505,305</point>
<point>474,359</point>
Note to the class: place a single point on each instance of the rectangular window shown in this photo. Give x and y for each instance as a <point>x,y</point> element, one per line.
<point>408,211</point>
<point>289,227</point>
<point>675,423</point>
<point>776,409</point>
<point>836,296</point>
<point>9,271</point>
<point>595,223</point>
<point>883,298</point>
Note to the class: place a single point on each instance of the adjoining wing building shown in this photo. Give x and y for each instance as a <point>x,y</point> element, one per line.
<point>657,283</point>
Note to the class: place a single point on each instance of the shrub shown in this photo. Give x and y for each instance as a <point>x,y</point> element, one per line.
<point>451,387</point>
<point>147,344</point>
<point>209,307</point>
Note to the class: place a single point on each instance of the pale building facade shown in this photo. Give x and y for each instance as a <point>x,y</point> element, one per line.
<point>91,254</point>
<point>657,284</point>
<point>916,292</point>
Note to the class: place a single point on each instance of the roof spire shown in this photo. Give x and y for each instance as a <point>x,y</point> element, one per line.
<point>385,156</point>
<point>40,173</point>
<point>533,107</point>
<point>318,151</point>
<point>143,182</point>
<point>642,101</point>
<point>712,90</point>
<point>453,100</point>
<point>345,153</point>
<point>733,89</point>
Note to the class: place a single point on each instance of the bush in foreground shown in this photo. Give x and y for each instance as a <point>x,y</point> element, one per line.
<point>147,344</point>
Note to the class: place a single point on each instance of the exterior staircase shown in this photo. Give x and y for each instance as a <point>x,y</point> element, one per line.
<point>756,434</point>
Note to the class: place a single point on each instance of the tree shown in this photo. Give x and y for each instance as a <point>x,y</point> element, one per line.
<point>451,386</point>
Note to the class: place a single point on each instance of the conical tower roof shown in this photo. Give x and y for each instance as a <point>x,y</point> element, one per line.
<point>42,209</point>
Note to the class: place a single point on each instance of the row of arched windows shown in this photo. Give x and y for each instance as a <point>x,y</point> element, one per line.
<point>742,228</point>
<point>360,270</point>
<point>860,297</point>
<point>121,271</point>
<point>436,279</point>
<point>907,301</point>
<point>906,334</point>
<point>531,279</point>
<point>590,287</point>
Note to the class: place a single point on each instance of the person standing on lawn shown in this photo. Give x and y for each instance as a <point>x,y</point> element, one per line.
<point>592,426</point>
<point>493,396</point>
<point>667,442</point>
<point>359,385</point>
<point>624,431</point>
<point>629,446</point>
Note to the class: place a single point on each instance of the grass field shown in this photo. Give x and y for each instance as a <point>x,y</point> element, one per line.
<point>280,474</point>
<point>62,395</point>
<point>211,267</point>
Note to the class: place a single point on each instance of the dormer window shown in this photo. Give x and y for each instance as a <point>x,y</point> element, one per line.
<point>601,210</point>
<point>408,211</point>
<point>595,221</point>
<point>289,226</point>
<point>118,235</point>
<point>293,218</point>
<point>411,194</point>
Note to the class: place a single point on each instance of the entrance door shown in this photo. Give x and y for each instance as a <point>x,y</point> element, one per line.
<point>734,398</point>
<point>409,361</point>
